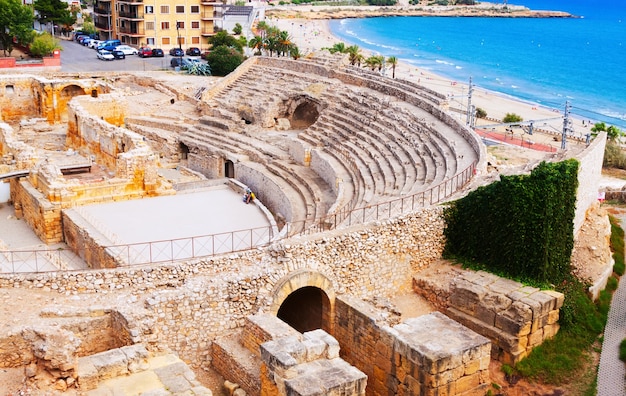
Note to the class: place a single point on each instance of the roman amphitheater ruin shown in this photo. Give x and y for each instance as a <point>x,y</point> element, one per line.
<point>349,169</point>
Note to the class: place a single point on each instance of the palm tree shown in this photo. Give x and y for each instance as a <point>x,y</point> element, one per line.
<point>256,43</point>
<point>284,42</point>
<point>393,61</point>
<point>372,62</point>
<point>355,53</point>
<point>337,47</point>
<point>295,52</point>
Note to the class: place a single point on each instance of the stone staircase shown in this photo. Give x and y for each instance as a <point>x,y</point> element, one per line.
<point>133,371</point>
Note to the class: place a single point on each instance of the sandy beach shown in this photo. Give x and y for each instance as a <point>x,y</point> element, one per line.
<point>314,35</point>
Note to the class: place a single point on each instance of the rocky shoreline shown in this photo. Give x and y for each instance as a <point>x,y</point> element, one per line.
<point>342,12</point>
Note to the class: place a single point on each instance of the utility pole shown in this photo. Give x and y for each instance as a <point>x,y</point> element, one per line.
<point>566,125</point>
<point>469,103</point>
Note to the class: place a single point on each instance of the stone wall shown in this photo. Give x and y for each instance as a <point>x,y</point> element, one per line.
<point>41,215</point>
<point>17,98</point>
<point>516,318</point>
<point>188,304</point>
<point>428,355</point>
<point>588,179</point>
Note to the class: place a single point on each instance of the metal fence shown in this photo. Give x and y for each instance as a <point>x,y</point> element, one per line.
<point>50,260</point>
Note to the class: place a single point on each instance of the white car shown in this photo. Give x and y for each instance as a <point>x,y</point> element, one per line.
<point>94,44</point>
<point>105,55</point>
<point>127,50</point>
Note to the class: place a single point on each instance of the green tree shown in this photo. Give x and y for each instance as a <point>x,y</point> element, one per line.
<point>512,117</point>
<point>355,55</point>
<point>224,39</point>
<point>480,112</point>
<point>54,11</point>
<point>16,22</point>
<point>393,61</point>
<point>256,43</point>
<point>237,29</point>
<point>224,59</point>
<point>337,47</point>
<point>43,45</point>
<point>89,27</point>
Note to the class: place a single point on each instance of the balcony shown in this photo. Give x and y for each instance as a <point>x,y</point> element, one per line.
<point>130,1</point>
<point>102,11</point>
<point>210,3</point>
<point>105,26</point>
<point>134,31</point>
<point>135,15</point>
<point>209,16</point>
<point>208,30</point>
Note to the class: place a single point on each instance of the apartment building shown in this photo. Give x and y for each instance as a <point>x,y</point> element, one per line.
<point>157,23</point>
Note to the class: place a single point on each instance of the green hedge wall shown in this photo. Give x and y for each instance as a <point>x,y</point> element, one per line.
<point>521,226</point>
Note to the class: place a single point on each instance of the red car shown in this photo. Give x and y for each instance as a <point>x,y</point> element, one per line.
<point>145,52</point>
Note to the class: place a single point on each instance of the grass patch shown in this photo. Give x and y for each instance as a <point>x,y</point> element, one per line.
<point>563,358</point>
<point>617,245</point>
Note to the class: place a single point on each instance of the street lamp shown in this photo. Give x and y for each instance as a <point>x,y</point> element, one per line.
<point>180,52</point>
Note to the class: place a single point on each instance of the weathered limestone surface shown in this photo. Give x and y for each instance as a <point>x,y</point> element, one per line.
<point>516,318</point>
<point>428,355</point>
<point>308,364</point>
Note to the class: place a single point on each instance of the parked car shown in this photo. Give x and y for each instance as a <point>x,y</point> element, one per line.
<point>193,51</point>
<point>175,62</point>
<point>205,54</point>
<point>127,50</point>
<point>105,55</point>
<point>94,43</point>
<point>145,52</point>
<point>176,52</point>
<point>81,39</point>
<point>117,54</point>
<point>78,36</point>
<point>85,41</point>
<point>157,53</point>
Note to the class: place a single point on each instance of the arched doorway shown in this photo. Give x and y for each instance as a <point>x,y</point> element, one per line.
<point>305,308</point>
<point>183,150</point>
<point>66,94</point>
<point>229,169</point>
<point>305,300</point>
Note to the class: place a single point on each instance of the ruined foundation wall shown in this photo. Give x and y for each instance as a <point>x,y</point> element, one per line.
<point>16,98</point>
<point>428,355</point>
<point>40,214</point>
<point>188,304</point>
<point>516,318</point>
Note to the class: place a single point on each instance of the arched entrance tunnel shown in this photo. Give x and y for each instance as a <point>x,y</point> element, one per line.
<point>305,309</point>
<point>305,300</point>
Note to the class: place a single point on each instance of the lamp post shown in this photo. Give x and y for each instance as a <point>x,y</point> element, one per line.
<point>180,62</point>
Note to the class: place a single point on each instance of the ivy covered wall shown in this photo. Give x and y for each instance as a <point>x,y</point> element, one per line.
<point>521,226</point>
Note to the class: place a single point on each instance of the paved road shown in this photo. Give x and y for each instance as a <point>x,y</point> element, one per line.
<point>77,58</point>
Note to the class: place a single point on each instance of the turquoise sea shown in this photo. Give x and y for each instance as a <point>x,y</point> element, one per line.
<point>547,61</point>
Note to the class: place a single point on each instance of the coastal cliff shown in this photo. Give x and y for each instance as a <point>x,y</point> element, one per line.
<point>342,12</point>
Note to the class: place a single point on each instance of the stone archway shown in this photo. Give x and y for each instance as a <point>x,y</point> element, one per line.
<point>304,115</point>
<point>305,300</point>
<point>65,95</point>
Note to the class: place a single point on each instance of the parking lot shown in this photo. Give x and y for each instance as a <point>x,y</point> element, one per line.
<point>78,58</point>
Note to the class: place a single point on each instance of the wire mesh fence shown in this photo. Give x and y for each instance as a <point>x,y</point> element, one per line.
<point>50,260</point>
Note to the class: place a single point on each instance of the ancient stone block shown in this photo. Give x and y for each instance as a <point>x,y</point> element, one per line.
<point>559,298</point>
<point>512,326</point>
<point>465,296</point>
<point>87,374</point>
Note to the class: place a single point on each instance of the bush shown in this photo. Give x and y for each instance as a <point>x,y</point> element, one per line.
<point>617,245</point>
<point>237,29</point>
<point>224,60</point>
<point>614,156</point>
<point>622,350</point>
<point>481,113</point>
<point>43,45</point>
<point>521,226</point>
<point>512,117</point>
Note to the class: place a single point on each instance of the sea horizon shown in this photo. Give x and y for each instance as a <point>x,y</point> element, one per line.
<point>546,61</point>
